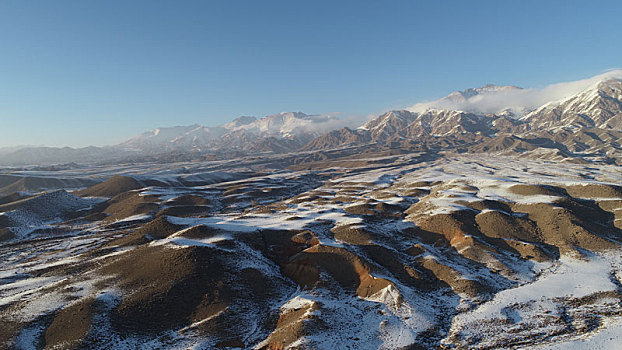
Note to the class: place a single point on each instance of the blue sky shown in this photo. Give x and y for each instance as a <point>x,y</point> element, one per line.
<point>97,72</point>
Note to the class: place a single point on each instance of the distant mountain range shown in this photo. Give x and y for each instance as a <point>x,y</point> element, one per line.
<point>578,121</point>
<point>277,133</point>
<point>274,133</point>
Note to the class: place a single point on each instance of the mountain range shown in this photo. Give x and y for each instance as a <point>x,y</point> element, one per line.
<point>488,219</point>
<point>581,121</point>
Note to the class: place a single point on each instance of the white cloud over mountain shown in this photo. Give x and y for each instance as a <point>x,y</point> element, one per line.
<point>495,99</point>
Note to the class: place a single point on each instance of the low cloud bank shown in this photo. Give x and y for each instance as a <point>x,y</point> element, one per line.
<point>336,121</point>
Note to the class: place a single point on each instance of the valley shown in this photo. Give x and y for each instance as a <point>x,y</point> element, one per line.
<point>412,250</point>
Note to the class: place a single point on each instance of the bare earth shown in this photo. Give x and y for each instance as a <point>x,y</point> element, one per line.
<point>415,251</point>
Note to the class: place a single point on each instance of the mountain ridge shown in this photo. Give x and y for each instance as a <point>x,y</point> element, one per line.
<point>594,103</point>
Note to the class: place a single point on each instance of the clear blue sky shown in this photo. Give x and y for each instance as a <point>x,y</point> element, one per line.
<point>96,72</point>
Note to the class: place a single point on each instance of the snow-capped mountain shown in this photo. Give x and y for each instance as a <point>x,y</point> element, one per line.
<point>284,125</point>
<point>487,89</point>
<point>598,106</point>
<point>489,98</point>
<point>460,119</point>
<point>512,100</point>
<point>189,137</point>
<point>243,133</point>
<point>481,114</point>
<point>431,122</point>
<point>389,124</point>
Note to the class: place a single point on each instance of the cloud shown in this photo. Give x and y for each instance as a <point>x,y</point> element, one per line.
<point>517,100</point>
<point>336,121</point>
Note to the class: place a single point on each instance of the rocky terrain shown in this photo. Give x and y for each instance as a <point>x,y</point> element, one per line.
<point>582,127</point>
<point>415,250</point>
<point>488,219</point>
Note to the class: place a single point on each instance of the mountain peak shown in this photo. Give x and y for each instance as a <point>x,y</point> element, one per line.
<point>610,84</point>
<point>494,99</point>
<point>496,88</point>
<point>489,98</point>
<point>464,95</point>
<point>245,132</point>
<point>239,121</point>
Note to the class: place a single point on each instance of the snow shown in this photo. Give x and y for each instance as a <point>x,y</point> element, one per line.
<point>28,338</point>
<point>282,125</point>
<point>198,323</point>
<point>606,337</point>
<point>570,278</point>
<point>39,212</point>
<point>567,278</point>
<point>137,217</point>
<point>298,302</point>
<point>188,242</point>
<point>392,318</point>
<point>359,323</point>
<point>252,223</point>
<point>37,300</point>
<point>519,101</point>
<point>493,176</point>
<point>17,290</point>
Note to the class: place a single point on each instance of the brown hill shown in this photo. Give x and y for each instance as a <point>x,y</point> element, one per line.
<point>116,185</point>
